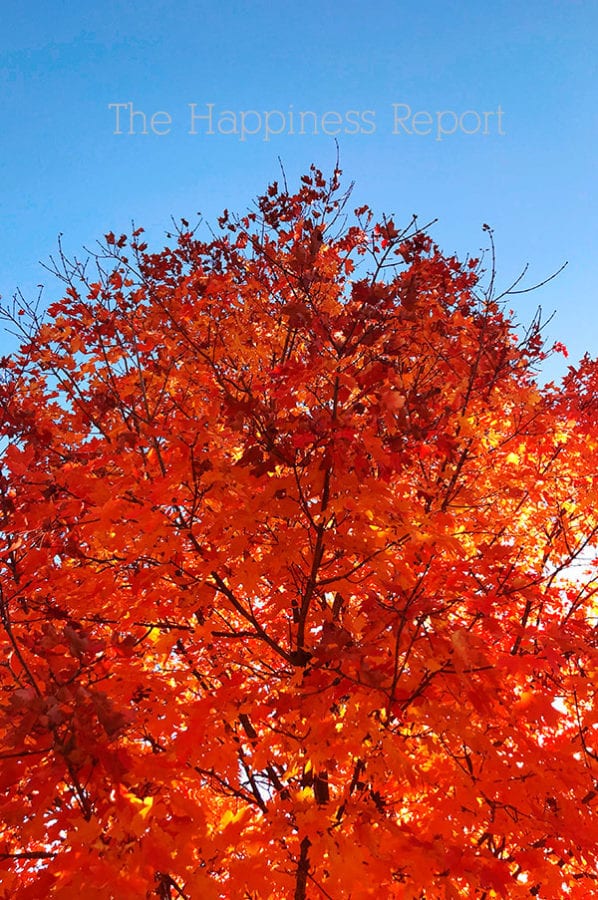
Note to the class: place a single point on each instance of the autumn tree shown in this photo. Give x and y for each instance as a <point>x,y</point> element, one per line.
<point>297,583</point>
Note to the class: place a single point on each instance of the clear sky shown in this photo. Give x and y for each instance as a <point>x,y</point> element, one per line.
<point>468,112</point>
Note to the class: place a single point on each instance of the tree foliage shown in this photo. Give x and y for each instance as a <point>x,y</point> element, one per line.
<point>296,588</point>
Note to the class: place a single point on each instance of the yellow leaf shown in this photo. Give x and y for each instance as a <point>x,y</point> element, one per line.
<point>230,816</point>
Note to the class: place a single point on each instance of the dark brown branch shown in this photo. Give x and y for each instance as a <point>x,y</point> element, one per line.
<point>302,870</point>
<point>221,586</point>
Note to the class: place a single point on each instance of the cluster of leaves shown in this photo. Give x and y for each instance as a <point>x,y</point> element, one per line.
<point>287,602</point>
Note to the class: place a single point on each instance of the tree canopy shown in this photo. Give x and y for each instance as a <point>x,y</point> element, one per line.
<point>297,574</point>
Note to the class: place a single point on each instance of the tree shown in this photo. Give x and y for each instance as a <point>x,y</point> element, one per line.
<point>288,598</point>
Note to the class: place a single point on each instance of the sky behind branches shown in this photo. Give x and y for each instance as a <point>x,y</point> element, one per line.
<point>468,113</point>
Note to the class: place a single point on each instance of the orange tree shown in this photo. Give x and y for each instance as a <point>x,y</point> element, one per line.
<point>288,599</point>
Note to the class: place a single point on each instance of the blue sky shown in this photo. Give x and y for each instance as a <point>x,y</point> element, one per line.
<point>531,176</point>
